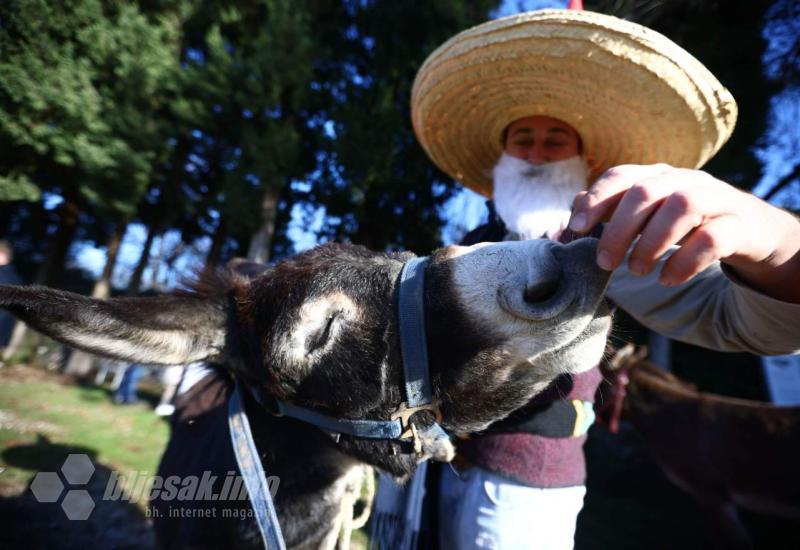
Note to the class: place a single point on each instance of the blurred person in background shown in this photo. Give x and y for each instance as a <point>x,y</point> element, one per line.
<point>8,276</point>
<point>126,392</point>
<point>170,378</point>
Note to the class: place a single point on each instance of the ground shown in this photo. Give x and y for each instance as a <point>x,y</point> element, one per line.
<point>45,416</point>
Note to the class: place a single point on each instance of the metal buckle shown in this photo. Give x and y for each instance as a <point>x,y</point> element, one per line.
<point>404,414</point>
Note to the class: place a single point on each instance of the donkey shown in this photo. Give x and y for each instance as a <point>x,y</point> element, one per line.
<point>319,330</point>
<point>727,453</point>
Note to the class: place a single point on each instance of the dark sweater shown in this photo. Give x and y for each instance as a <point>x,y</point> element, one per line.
<point>535,460</point>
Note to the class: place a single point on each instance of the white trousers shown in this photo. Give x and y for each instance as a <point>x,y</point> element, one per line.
<point>479,509</point>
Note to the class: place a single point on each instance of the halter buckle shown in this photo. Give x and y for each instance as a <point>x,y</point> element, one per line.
<point>404,414</point>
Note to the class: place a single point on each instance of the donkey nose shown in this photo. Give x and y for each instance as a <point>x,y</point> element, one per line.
<point>578,258</point>
<point>544,276</point>
<point>543,289</point>
<point>538,292</point>
<point>559,278</point>
<point>579,265</point>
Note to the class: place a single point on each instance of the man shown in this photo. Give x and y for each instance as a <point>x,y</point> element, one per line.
<point>561,97</point>
<point>126,392</point>
<point>8,276</point>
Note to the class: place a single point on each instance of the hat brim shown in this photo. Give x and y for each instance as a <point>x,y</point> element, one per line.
<point>633,95</point>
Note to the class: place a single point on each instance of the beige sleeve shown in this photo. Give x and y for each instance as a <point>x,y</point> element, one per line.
<point>714,310</point>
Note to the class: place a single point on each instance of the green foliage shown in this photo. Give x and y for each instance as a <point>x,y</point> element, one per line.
<point>49,106</point>
<point>244,105</point>
<point>82,85</point>
<point>202,108</point>
<point>18,187</point>
<point>377,185</point>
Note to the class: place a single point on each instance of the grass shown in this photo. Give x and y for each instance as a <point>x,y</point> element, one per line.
<point>44,417</point>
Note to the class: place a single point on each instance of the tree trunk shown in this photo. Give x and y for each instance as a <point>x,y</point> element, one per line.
<point>364,234</point>
<point>261,243</point>
<point>136,278</point>
<point>53,265</point>
<point>159,261</point>
<point>14,342</point>
<point>102,288</point>
<point>80,363</point>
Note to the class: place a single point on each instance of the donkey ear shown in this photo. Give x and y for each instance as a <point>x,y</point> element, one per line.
<point>159,330</point>
<point>245,268</point>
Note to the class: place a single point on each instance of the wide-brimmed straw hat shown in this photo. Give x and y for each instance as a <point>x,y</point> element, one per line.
<point>633,95</point>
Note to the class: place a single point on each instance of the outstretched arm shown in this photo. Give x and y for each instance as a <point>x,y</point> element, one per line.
<point>713,310</point>
<point>710,220</point>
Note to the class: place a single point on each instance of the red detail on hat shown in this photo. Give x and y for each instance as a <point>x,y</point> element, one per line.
<point>575,5</point>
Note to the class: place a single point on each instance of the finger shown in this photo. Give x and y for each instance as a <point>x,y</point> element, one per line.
<point>676,216</point>
<point>705,245</point>
<point>578,198</point>
<point>602,198</point>
<point>631,216</point>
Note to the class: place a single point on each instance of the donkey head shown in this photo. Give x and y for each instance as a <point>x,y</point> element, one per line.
<point>318,330</point>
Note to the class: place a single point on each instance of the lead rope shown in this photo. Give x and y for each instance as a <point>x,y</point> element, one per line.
<point>253,473</point>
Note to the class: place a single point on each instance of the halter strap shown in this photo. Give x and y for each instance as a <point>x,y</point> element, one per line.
<point>371,429</point>
<point>253,473</point>
<point>413,343</point>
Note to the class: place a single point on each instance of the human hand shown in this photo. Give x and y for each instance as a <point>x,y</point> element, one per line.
<point>710,220</point>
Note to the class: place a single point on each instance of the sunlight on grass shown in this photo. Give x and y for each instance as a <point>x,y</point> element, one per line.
<point>42,420</point>
<point>44,417</point>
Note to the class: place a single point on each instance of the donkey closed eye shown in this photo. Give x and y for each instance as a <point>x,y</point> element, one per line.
<point>318,323</point>
<point>320,337</point>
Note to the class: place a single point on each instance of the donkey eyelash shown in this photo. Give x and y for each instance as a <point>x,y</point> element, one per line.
<point>319,338</point>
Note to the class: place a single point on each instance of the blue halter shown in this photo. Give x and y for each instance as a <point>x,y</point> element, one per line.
<point>414,353</point>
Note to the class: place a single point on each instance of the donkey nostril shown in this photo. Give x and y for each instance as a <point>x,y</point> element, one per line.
<point>541,291</point>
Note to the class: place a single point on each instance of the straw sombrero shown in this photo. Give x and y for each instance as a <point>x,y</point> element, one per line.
<point>633,95</point>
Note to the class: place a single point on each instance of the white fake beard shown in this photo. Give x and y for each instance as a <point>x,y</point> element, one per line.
<point>536,201</point>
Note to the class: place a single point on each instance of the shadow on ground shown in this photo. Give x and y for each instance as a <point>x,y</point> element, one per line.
<point>30,524</point>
